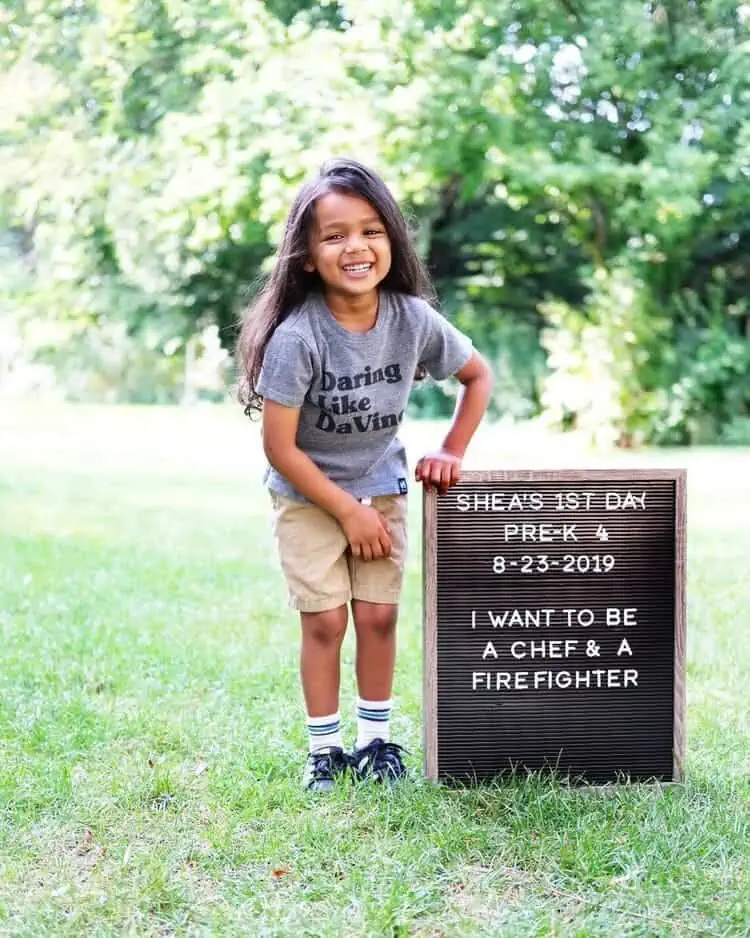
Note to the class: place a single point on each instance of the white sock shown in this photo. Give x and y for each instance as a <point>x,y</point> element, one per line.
<point>373,721</point>
<point>324,732</point>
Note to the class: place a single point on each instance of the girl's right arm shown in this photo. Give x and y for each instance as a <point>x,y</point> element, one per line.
<point>363,526</point>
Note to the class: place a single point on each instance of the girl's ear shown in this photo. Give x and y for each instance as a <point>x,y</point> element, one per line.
<point>309,267</point>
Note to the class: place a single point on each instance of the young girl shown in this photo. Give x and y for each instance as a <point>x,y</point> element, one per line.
<point>329,355</point>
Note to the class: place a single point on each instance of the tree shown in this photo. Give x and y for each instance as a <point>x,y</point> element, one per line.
<point>575,174</point>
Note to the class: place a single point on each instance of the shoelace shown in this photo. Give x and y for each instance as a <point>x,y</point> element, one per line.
<point>324,765</point>
<point>381,754</point>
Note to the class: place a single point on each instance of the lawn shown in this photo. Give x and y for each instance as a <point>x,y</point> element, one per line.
<point>152,734</point>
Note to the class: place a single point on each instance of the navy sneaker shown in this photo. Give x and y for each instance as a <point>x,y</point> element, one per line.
<point>379,761</point>
<point>322,768</point>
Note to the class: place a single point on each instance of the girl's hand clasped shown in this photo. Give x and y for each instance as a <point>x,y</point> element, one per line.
<point>439,471</point>
<point>367,532</point>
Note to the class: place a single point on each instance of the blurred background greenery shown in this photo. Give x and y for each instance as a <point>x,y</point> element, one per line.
<point>577,174</point>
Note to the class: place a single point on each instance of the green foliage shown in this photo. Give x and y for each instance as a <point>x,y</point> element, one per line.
<point>599,354</point>
<point>623,369</point>
<point>710,393</point>
<point>545,154</point>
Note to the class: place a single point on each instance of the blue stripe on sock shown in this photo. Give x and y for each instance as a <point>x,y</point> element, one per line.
<point>374,715</point>
<point>324,729</point>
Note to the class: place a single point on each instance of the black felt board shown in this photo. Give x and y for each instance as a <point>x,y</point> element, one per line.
<point>536,666</point>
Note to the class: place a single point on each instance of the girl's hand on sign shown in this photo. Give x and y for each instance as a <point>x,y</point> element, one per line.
<point>367,532</point>
<point>439,471</point>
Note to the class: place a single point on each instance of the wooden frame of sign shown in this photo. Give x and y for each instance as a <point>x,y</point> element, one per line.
<point>554,625</point>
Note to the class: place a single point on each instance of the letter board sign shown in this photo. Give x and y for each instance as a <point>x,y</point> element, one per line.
<point>554,625</point>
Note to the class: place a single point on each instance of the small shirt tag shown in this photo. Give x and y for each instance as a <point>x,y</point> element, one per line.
<point>402,486</point>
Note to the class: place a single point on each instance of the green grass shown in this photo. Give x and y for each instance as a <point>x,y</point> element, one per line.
<point>151,730</point>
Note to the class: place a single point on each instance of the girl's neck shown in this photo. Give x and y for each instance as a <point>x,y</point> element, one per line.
<point>354,313</point>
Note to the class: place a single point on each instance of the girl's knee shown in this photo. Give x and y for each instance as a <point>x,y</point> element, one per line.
<point>325,628</point>
<point>376,619</point>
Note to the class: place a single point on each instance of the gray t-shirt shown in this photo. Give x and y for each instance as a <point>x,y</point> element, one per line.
<point>352,387</point>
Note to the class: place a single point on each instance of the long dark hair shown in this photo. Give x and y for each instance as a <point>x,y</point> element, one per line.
<point>289,283</point>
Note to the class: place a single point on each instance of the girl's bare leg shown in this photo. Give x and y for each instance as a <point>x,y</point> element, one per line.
<point>375,625</point>
<point>320,659</point>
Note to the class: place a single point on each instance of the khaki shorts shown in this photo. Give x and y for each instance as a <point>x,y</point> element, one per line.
<point>319,569</point>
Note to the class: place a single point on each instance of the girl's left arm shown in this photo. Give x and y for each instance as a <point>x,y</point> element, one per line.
<point>442,469</point>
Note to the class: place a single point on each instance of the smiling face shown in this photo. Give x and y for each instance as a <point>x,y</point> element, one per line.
<point>349,246</point>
